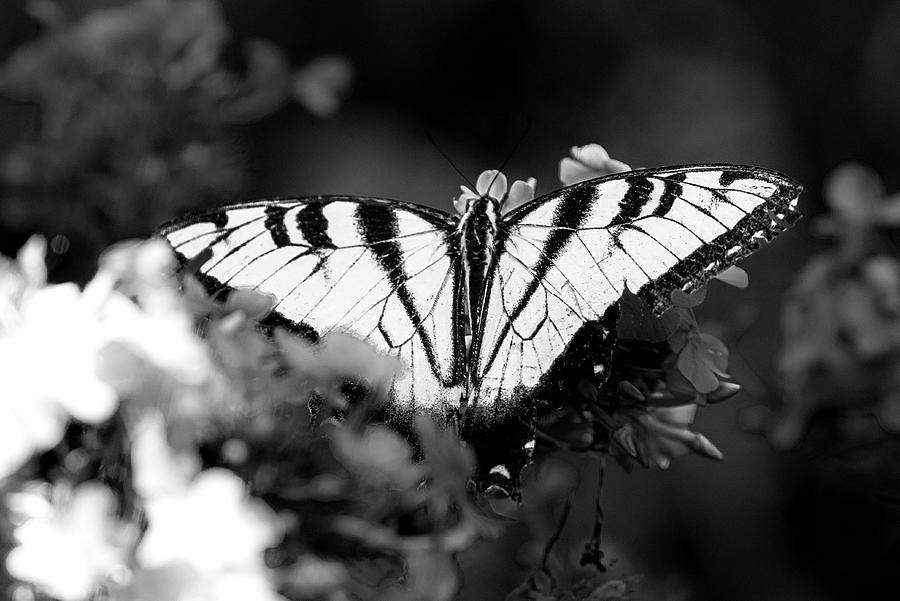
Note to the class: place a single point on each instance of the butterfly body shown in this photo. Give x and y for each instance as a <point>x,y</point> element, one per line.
<point>527,286</point>
<point>477,231</point>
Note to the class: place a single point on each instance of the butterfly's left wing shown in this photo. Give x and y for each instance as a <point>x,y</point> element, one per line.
<point>566,258</point>
<point>381,270</point>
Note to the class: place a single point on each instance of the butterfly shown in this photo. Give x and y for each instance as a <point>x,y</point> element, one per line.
<point>480,307</point>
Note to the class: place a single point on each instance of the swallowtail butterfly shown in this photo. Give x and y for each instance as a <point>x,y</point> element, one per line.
<point>416,282</point>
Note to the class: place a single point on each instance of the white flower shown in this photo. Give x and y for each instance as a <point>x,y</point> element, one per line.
<point>158,468</point>
<point>205,537</point>
<point>206,542</point>
<point>157,328</point>
<point>48,365</point>
<point>211,525</point>
<point>181,582</point>
<point>588,162</point>
<point>75,546</point>
<point>165,338</point>
<point>493,184</point>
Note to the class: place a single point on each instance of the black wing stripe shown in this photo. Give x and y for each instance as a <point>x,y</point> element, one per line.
<point>671,191</point>
<point>274,222</point>
<point>430,312</point>
<point>546,282</point>
<point>379,229</point>
<point>637,195</point>
<point>314,226</point>
<point>720,195</point>
<point>572,211</point>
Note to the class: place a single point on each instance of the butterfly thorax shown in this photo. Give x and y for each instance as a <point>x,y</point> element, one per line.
<point>477,233</point>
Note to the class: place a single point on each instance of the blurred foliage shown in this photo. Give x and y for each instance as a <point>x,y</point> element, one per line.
<point>140,104</point>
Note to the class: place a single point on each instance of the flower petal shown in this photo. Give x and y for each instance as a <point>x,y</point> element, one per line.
<point>519,193</point>
<point>491,183</point>
<point>592,155</point>
<point>587,162</point>
<point>462,202</point>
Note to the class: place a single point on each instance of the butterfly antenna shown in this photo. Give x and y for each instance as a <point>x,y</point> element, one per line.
<point>512,152</point>
<point>449,160</point>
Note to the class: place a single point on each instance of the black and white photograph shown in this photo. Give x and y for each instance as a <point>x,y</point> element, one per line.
<point>588,300</point>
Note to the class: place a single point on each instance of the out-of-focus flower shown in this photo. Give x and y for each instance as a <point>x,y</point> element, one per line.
<point>152,342</point>
<point>211,524</point>
<point>182,582</point>
<point>493,184</point>
<point>76,546</point>
<point>314,578</point>
<point>322,83</point>
<point>205,537</point>
<point>856,195</point>
<point>378,455</point>
<point>588,162</point>
<point>326,365</point>
<point>858,202</point>
<point>48,372</point>
<point>214,529</point>
<point>159,469</point>
<point>263,89</point>
<point>656,435</point>
<point>165,339</point>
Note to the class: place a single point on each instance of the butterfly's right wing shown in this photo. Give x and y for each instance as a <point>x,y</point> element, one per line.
<point>568,257</point>
<point>383,271</point>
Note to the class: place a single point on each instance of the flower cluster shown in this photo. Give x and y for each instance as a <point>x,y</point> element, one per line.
<point>138,113</point>
<point>145,461</point>
<point>841,321</point>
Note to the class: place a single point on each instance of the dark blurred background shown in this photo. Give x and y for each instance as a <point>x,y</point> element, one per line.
<point>799,87</point>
